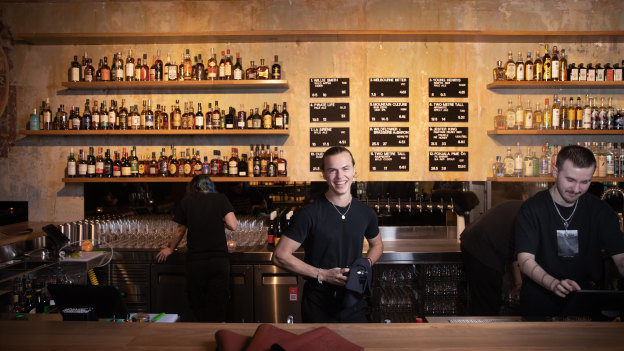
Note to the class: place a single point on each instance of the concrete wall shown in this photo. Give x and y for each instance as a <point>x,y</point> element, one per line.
<point>35,165</point>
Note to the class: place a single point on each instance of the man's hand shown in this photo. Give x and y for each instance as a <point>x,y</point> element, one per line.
<point>163,254</point>
<point>564,287</point>
<point>335,276</point>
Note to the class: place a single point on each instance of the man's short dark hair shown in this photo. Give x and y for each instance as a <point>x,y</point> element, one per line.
<point>580,157</point>
<point>335,150</point>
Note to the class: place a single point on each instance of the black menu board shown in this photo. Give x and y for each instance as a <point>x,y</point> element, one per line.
<point>448,112</point>
<point>388,136</point>
<point>329,112</point>
<point>448,136</point>
<point>390,161</point>
<point>388,111</point>
<point>388,87</point>
<point>328,136</point>
<point>448,87</point>
<point>448,161</point>
<point>329,87</point>
<point>316,158</point>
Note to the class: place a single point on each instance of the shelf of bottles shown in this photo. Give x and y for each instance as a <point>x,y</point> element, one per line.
<point>169,179</point>
<point>178,84</point>
<point>555,132</point>
<point>548,179</point>
<point>556,85</point>
<point>161,132</point>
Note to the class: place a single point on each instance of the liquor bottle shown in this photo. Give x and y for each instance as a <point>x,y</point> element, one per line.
<point>282,164</point>
<point>176,116</point>
<point>205,166</point>
<point>556,113</point>
<point>618,71</point>
<point>129,66</point>
<point>119,71</point>
<point>610,161</point>
<point>89,72</point>
<point>185,116</point>
<point>528,164</point>
<point>520,67</point>
<point>608,72</point>
<point>587,114</point>
<point>212,67</point>
<point>98,73</point>
<point>199,118</point>
<point>573,72</point>
<point>63,123</point>
<point>251,72</point>
<point>262,71</point>
<point>600,73</point>
<point>71,164</point>
<point>227,70</point>
<point>216,116</point>
<point>547,76</point>
<point>582,72</point>
<point>230,119</point>
<point>117,166</point>
<point>152,70</point>
<point>578,110</point>
<point>74,70</point>
<point>602,115</point>
<point>547,116</point>
<point>215,163</point>
<point>498,71</point>
<point>529,68</point>
<point>563,119</point>
<point>82,164</point>
<point>595,115</point>
<point>188,163</point>
<point>276,69</point>
<point>601,160</point>
<point>103,115</point>
<point>618,120</point>
<point>238,73</point>
<point>187,66</point>
<point>518,162</point>
<point>250,162</point>
<point>570,118</point>
<point>555,64</point>
<point>271,165</point>
<point>267,118</point>
<point>76,118</point>
<point>134,163</point>
<point>153,166</point>
<point>499,120</point>
<point>257,120</point>
<point>113,116</point>
<point>519,114</point>
<point>123,115</point>
<point>134,118</point>
<point>225,169</point>
<point>544,162</point>
<point>46,116</point>
<point>171,70</point>
<point>137,69</point>
<point>539,67</point>
<point>563,66</point>
<point>233,163</point>
<point>91,163</point>
<point>149,115</point>
<point>200,70</point>
<point>241,120</point>
<point>126,168</point>
<point>536,165</point>
<point>108,165</point>
<point>222,66</point>
<point>87,121</point>
<point>95,116</point>
<point>34,121</point>
<point>285,115</point>
<point>611,113</point>
<point>264,162</point>
<point>194,68</point>
<point>243,166</point>
<point>498,169</point>
<point>509,164</point>
<point>197,164</point>
<point>99,164</point>
<point>278,117</point>
<point>158,65</point>
<point>163,164</point>
<point>511,116</point>
<point>257,160</point>
<point>164,118</point>
<point>528,116</point>
<point>510,68</point>
<point>591,73</point>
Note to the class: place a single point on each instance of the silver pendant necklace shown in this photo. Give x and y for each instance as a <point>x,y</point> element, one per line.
<point>566,221</point>
<point>343,215</point>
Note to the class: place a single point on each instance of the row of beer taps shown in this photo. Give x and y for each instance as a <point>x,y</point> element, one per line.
<point>388,206</point>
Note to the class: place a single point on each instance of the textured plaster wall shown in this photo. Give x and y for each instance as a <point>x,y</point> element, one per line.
<point>35,165</point>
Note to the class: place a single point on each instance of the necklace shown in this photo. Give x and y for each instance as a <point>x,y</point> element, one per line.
<point>566,222</point>
<point>343,215</point>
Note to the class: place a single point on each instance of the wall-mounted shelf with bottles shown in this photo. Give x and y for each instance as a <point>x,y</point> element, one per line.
<point>181,85</point>
<point>548,179</point>
<point>555,85</point>
<point>159,132</point>
<point>170,179</point>
<point>555,132</point>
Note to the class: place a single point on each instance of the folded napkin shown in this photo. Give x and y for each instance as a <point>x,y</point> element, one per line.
<point>267,335</point>
<point>230,341</point>
<point>319,339</point>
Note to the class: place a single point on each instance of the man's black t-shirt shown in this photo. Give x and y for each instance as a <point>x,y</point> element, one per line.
<point>203,214</point>
<point>330,241</point>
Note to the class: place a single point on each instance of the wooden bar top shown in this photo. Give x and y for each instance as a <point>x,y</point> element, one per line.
<point>93,336</point>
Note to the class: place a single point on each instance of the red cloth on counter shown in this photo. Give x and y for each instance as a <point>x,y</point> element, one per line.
<point>230,341</point>
<point>319,339</point>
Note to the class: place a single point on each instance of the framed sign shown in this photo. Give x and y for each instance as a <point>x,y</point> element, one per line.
<point>388,136</point>
<point>390,161</point>
<point>448,112</point>
<point>329,136</point>
<point>329,87</point>
<point>448,136</point>
<point>388,87</point>
<point>448,87</point>
<point>329,112</point>
<point>448,161</point>
<point>388,111</point>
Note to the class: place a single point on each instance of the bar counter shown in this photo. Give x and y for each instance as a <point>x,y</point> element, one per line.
<point>93,336</point>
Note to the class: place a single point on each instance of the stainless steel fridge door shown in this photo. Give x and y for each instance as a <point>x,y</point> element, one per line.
<point>277,295</point>
<point>240,307</point>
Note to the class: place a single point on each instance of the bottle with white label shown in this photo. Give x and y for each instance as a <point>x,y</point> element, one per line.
<point>511,116</point>
<point>518,162</point>
<point>556,113</point>
<point>528,116</point>
<point>519,114</point>
<point>520,67</point>
<point>71,164</point>
<point>508,164</point>
<point>555,63</point>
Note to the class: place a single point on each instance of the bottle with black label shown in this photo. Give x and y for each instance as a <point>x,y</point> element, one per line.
<point>276,70</point>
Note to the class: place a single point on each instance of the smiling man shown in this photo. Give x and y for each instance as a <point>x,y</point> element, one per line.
<point>332,231</point>
<point>560,234</point>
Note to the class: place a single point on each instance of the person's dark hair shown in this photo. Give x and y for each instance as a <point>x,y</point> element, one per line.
<point>335,150</point>
<point>580,157</point>
<point>202,184</point>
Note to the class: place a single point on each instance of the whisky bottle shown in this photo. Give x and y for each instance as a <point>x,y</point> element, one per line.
<point>91,163</point>
<point>520,67</point>
<point>547,116</point>
<point>264,162</point>
<point>250,119</point>
<point>225,169</point>
<point>528,116</point>
<point>500,122</point>
<point>267,118</point>
<point>149,115</point>
<point>257,162</point>
<point>123,115</point>
<point>185,118</point>
<point>563,119</point>
<point>271,165</point>
<point>95,116</point>
<point>233,163</point>
<point>222,66</point>
<point>519,114</point>
<point>587,114</point>
<point>213,66</point>
<point>262,71</point>
<point>107,172</point>
<point>116,166</point>
<point>510,68</point>
<point>98,73</point>
<point>190,118</point>
<point>563,66</point>
<point>216,117</point>
<point>529,68</point>
<point>241,119</point>
<point>555,63</point>
<point>130,74</point>
<point>158,67</point>
<point>71,164</point>
<point>167,68</point>
<point>229,119</point>
<point>200,71</point>
<point>511,116</point>
<point>611,113</point>
<point>215,163</point>
<point>194,68</point>
<point>99,164</point>
<point>83,64</point>
<point>103,115</point>
<point>547,76</point>
<point>176,116</point>
<point>119,71</point>
<point>238,73</point>
<point>556,113</point>
<point>163,164</point>
<point>113,116</point>
<point>539,67</point>
<point>105,71</point>
<point>82,164</point>
<point>578,110</point>
<point>126,168</point>
<point>89,71</point>
<point>285,115</point>
<point>571,115</point>
<point>187,162</point>
<point>145,70</point>
<point>257,120</point>
<point>87,123</point>
<point>595,115</point>
<point>197,164</point>
<point>137,69</point>
<point>134,118</point>
<point>228,66</point>
<point>134,163</point>
<point>199,118</point>
<point>74,70</point>
<point>243,170</point>
<point>46,118</point>
<point>250,162</point>
<point>276,70</point>
<point>499,71</point>
<point>251,73</point>
<point>282,164</point>
<point>76,119</point>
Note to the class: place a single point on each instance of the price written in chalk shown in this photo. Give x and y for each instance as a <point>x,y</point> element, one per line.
<point>329,112</point>
<point>329,87</point>
<point>391,161</point>
<point>448,136</point>
<point>448,112</point>
<point>388,111</point>
<point>329,136</point>
<point>448,161</point>
<point>388,136</point>
<point>448,87</point>
<point>388,87</point>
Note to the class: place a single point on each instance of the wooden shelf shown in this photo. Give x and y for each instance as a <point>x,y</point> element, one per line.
<point>549,179</point>
<point>254,36</point>
<point>179,85</point>
<point>171,179</point>
<point>555,85</point>
<point>159,132</point>
<point>555,132</point>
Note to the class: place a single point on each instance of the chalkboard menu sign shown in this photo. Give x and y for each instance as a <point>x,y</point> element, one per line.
<point>329,87</point>
<point>448,136</point>
<point>448,161</point>
<point>389,87</point>
<point>448,87</point>
<point>391,161</point>
<point>328,136</point>
<point>389,111</point>
<point>389,136</point>
<point>448,112</point>
<point>316,159</point>
<point>329,112</point>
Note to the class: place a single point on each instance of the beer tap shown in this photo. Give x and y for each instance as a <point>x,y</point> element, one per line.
<point>430,205</point>
<point>440,206</point>
<point>398,205</point>
<point>408,206</point>
<point>420,205</point>
<point>377,206</point>
<point>388,204</point>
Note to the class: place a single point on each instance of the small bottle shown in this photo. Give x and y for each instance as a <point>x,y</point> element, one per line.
<point>74,70</point>
<point>263,70</point>
<point>518,162</point>
<point>34,120</point>
<point>519,114</point>
<point>276,69</point>
<point>510,68</point>
<point>529,68</point>
<point>499,71</point>
<point>237,70</point>
<point>528,116</point>
<point>71,164</point>
<point>520,68</point>
<point>509,164</point>
<point>500,122</point>
<point>547,116</point>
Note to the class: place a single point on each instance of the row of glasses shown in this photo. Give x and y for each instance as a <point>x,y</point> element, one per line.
<point>442,270</point>
<point>251,233</point>
<point>402,275</point>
